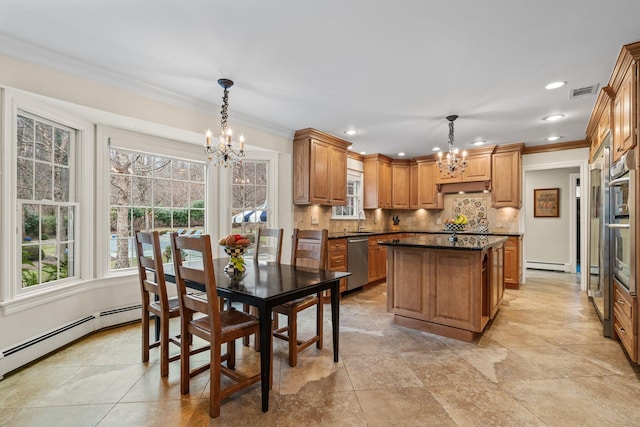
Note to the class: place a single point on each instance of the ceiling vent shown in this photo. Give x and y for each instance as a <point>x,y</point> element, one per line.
<point>583,91</point>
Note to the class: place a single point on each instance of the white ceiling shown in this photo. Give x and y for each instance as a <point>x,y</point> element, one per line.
<point>392,69</point>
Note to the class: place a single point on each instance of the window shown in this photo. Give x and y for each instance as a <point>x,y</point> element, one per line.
<point>149,191</point>
<point>354,198</point>
<point>250,208</point>
<point>45,193</point>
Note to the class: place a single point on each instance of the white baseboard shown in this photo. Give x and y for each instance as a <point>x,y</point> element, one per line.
<point>551,266</point>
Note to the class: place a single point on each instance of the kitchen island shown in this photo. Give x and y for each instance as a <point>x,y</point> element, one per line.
<point>449,288</point>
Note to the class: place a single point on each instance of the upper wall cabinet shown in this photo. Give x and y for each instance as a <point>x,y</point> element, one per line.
<point>478,168</point>
<point>624,123</point>
<point>319,168</point>
<point>377,181</point>
<point>400,184</point>
<point>428,195</point>
<point>507,176</point>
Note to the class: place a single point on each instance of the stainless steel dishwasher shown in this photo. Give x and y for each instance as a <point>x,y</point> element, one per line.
<point>357,261</point>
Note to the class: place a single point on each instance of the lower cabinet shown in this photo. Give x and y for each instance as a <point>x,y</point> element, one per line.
<point>378,257</point>
<point>513,262</point>
<point>337,259</point>
<point>624,319</point>
<point>496,279</point>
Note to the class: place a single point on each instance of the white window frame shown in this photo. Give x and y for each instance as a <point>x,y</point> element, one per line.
<point>352,175</point>
<point>133,141</point>
<point>11,289</point>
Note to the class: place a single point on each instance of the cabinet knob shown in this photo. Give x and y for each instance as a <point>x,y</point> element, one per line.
<point>620,301</point>
<point>621,329</point>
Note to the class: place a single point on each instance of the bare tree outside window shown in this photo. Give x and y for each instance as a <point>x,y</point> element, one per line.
<point>148,192</point>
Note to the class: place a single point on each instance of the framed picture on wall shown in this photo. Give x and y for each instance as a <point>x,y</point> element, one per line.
<point>546,202</point>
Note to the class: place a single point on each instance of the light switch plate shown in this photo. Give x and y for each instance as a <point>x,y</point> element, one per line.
<point>314,220</point>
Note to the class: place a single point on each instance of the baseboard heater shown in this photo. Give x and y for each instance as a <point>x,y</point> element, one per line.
<point>41,345</point>
<point>546,265</point>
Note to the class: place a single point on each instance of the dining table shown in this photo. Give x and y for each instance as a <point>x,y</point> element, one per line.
<point>265,285</point>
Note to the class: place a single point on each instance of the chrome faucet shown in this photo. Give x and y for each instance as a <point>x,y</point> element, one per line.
<point>361,217</point>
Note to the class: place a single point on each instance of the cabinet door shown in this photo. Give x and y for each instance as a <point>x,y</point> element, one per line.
<point>338,176</point>
<point>413,186</point>
<point>384,185</point>
<point>512,266</point>
<point>400,181</point>
<point>407,292</point>
<point>427,190</point>
<point>320,172</point>
<point>623,119</point>
<point>506,180</point>
<point>373,264</point>
<point>478,168</point>
<point>382,262</point>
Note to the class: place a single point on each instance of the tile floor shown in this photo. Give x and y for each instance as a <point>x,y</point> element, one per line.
<point>543,361</point>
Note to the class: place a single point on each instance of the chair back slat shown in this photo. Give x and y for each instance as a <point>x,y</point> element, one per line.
<point>200,247</point>
<point>150,269</point>
<point>309,248</point>
<point>269,242</point>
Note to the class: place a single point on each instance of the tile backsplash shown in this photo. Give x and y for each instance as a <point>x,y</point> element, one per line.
<point>473,205</point>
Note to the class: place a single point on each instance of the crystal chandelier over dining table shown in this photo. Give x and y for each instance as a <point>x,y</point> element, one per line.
<point>223,153</point>
<point>455,162</point>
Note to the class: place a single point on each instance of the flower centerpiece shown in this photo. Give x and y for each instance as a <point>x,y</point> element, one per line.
<point>235,245</point>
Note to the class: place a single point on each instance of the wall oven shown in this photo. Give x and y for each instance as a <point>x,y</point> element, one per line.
<point>622,228</point>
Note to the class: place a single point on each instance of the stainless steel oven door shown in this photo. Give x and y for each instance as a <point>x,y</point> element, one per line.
<point>620,246</point>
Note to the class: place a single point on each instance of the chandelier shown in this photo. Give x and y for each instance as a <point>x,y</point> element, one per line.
<point>223,152</point>
<point>454,162</point>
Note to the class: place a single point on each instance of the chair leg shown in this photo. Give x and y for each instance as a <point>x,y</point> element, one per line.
<point>292,324</point>
<point>231,351</point>
<point>245,339</point>
<point>319,321</point>
<point>145,333</point>
<point>214,381</point>
<point>164,346</point>
<point>185,337</point>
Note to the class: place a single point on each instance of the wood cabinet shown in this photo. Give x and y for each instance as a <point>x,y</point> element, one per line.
<point>319,168</point>
<point>506,178</point>
<point>478,168</point>
<point>337,259</point>
<point>377,258</point>
<point>624,120</point>
<point>400,184</point>
<point>413,185</point>
<point>625,320</point>
<point>495,279</point>
<point>427,191</point>
<point>600,122</point>
<point>513,262</point>
<point>377,181</point>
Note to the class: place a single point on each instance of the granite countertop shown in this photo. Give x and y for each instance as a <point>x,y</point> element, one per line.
<point>341,235</point>
<point>438,241</point>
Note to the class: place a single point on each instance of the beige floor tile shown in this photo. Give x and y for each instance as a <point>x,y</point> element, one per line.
<point>320,409</point>
<point>442,367</point>
<point>557,362</point>
<point>314,374</point>
<point>502,364</point>
<point>380,371</point>
<point>57,416</point>
<point>165,413</point>
<point>402,407</point>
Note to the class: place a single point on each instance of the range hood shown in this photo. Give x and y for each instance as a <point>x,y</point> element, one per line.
<point>465,187</point>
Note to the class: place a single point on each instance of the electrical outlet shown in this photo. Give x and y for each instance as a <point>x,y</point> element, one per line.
<point>314,220</point>
<point>438,220</point>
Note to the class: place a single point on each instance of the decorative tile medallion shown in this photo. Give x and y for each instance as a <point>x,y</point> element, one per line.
<point>474,208</point>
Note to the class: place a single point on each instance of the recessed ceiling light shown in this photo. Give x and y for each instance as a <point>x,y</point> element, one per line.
<point>553,138</point>
<point>478,142</point>
<point>553,117</point>
<point>363,152</point>
<point>555,85</point>
<point>435,149</point>
<point>350,147</point>
<point>351,132</point>
<point>401,154</point>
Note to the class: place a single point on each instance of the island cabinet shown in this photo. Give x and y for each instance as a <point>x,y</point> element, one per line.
<point>400,184</point>
<point>513,262</point>
<point>447,289</point>
<point>506,178</point>
<point>377,181</point>
<point>319,168</point>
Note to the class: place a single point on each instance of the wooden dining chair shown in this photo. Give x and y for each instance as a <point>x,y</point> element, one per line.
<point>268,247</point>
<point>214,325</point>
<point>155,299</point>
<point>309,249</point>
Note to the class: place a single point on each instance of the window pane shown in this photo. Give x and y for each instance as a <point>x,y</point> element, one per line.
<point>197,172</point>
<point>261,173</point>
<point>120,189</point>
<point>63,231</point>
<point>196,194</point>
<point>43,175</point>
<point>141,191</point>
<point>25,136</point>
<point>49,223</point>
<point>180,170</point>
<point>142,165</point>
<point>180,193</point>
<point>161,192</point>
<point>61,184</point>
<point>24,182</point>
<point>161,167</point>
<point>44,142</point>
<point>61,154</point>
